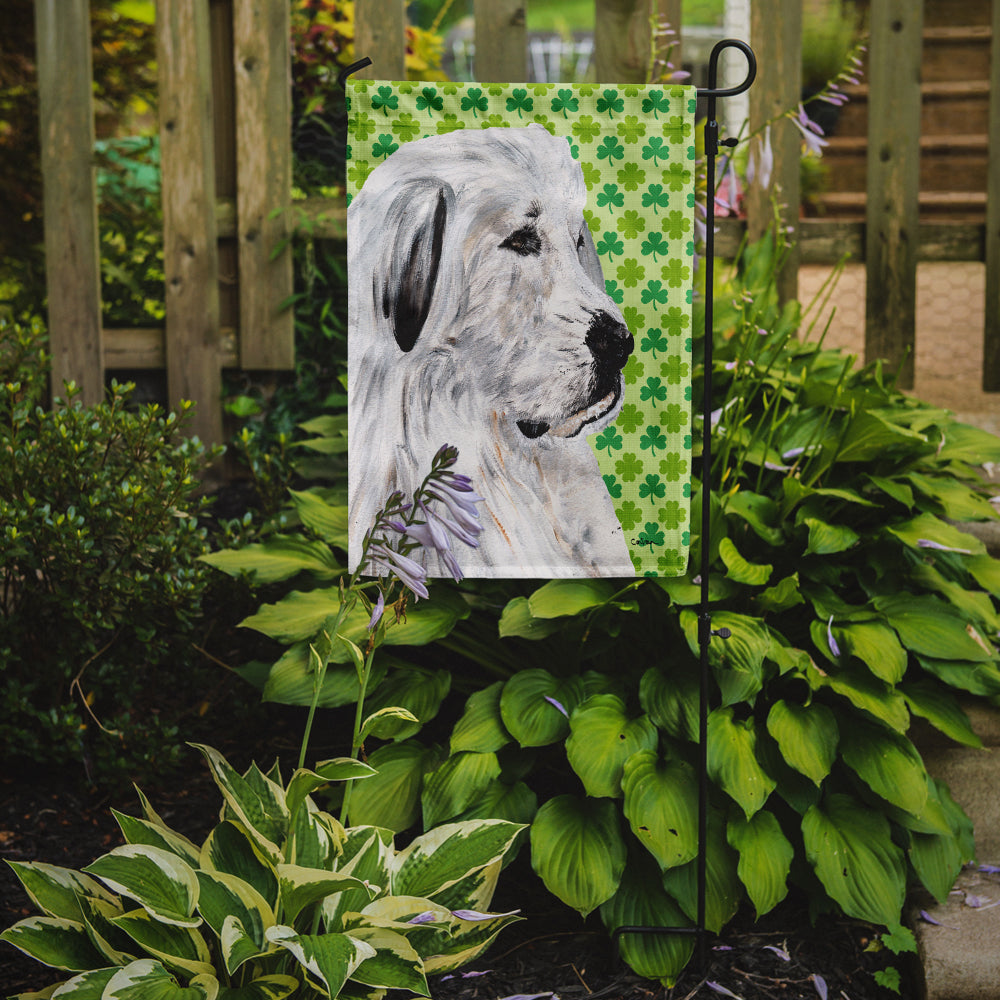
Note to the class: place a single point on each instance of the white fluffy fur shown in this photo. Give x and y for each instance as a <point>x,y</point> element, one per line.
<point>503,341</point>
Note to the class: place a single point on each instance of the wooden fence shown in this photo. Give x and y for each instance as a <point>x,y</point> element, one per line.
<point>226,161</point>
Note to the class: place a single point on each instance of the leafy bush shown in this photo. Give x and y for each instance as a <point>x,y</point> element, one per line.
<point>279,899</point>
<point>99,539</point>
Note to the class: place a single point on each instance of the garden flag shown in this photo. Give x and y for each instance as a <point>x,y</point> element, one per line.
<point>520,266</point>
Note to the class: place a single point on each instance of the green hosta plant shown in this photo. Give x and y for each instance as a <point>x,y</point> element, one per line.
<point>279,900</point>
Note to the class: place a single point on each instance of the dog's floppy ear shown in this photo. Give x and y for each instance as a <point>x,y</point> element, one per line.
<point>413,240</point>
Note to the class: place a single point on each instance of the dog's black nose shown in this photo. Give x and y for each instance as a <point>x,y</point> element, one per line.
<point>609,341</point>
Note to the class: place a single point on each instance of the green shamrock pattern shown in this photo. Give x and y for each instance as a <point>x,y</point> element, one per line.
<point>636,147</point>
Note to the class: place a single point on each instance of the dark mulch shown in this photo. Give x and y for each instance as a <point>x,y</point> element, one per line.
<point>551,951</point>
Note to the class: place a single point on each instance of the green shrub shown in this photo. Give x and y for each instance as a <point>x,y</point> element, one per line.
<point>280,899</point>
<point>99,539</point>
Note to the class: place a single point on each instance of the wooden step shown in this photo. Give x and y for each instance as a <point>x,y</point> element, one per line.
<point>956,53</point>
<point>957,206</point>
<point>947,106</point>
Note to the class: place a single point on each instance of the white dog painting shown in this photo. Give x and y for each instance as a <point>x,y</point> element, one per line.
<point>478,317</point>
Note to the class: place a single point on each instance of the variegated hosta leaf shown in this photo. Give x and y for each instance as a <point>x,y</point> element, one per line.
<point>116,946</point>
<point>732,760</point>
<point>147,979</point>
<point>329,959</point>
<point>274,987</point>
<point>661,800</point>
<point>304,782</point>
<point>177,947</point>
<point>441,857</point>
<point>86,986</point>
<point>395,964</point>
<point>367,853</point>
<point>141,831</point>
<point>54,941</point>
<point>850,847</point>
<point>642,902</point>
<point>765,858</point>
<point>807,736</point>
<point>158,880</point>
<point>578,851</point>
<point>300,887</point>
<point>56,891</point>
<point>256,801</point>
<point>457,784</point>
<point>476,890</point>
<point>230,849</point>
<point>225,897</point>
<point>315,838</point>
<point>535,706</point>
<point>481,727</point>
<point>238,945</point>
<point>602,737</point>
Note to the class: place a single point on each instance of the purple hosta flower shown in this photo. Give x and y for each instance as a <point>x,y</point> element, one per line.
<point>927,543</point>
<point>410,573</point>
<point>377,611</point>
<point>455,492</point>
<point>727,197</point>
<point>760,165</point>
<point>552,701</point>
<point>831,642</point>
<point>820,983</point>
<point>811,132</point>
<point>780,952</point>
<point>475,915</point>
<point>427,917</point>
<point>990,869</point>
<point>465,975</point>
<point>719,988</point>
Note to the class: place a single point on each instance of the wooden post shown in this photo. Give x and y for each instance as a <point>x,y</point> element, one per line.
<point>622,40</point>
<point>380,34</point>
<point>776,35</point>
<point>261,56</point>
<point>190,254</point>
<point>72,256</point>
<point>501,40</point>
<point>991,333</point>
<point>893,183</point>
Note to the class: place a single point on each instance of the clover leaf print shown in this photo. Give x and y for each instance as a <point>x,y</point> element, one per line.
<point>495,120</point>
<point>586,129</point>
<point>631,272</point>
<point>609,440</point>
<point>673,418</point>
<point>591,175</point>
<point>652,488</point>
<point>564,101</point>
<point>653,150</point>
<point>628,514</point>
<point>630,418</point>
<point>430,100</point>
<point>386,100</point>
<point>449,123</point>
<point>406,127</point>
<point>675,273</point>
<point>656,198</point>
<point>613,486</point>
<point>611,149</point>
<point>676,177</point>
<point>672,562</point>
<point>673,467</point>
<point>610,245</point>
<point>674,370</point>
<point>634,319</point>
<point>631,176</point>
<point>653,438</point>
<point>495,89</point>
<point>675,224</point>
<point>384,147</point>
<point>676,320</point>
<point>363,127</point>
<point>652,535</point>
<point>634,370</point>
<point>656,101</point>
<point>520,101</point>
<point>609,102</point>
<point>654,244</point>
<point>671,515</point>
<point>615,293</point>
<point>654,390</point>
<point>610,197</point>
<point>475,101</point>
<point>630,129</point>
<point>653,341</point>
<point>676,129</point>
<point>629,466</point>
<point>631,224</point>
<point>655,292</point>
<point>358,171</point>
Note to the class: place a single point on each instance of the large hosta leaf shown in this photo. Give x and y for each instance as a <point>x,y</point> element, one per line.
<point>864,691</point>
<point>535,706</point>
<point>328,958</point>
<point>558,598</point>
<point>926,528</point>
<point>807,736</point>
<point>671,699</point>
<point>54,941</point>
<point>602,738</point>
<point>976,678</point>
<point>876,646</point>
<point>274,987</point>
<point>278,558</point>
<point>578,851</point>
<point>765,858</point>
<point>327,520</point>
<point>739,569</point>
<point>300,887</point>
<point>418,690</point>
<point>395,964</point>
<point>932,628</point>
<point>481,727</point>
<point>732,760</point>
<point>229,848</point>
<point>86,986</point>
<point>143,831</point>
<point>181,948</point>
<point>888,763</point>
<point>147,979</point>
<point>291,680</point>
<point>226,896</point>
<point>738,661</point>
<point>850,848</point>
<point>391,798</point>
<point>56,891</point>
<point>456,785</point>
<point>517,620</point>
<point>936,704</point>
<point>641,901</point>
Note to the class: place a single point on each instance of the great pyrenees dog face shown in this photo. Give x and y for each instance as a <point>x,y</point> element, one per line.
<point>478,317</point>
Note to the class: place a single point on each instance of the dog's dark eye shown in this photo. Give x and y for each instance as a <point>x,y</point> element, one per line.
<point>524,241</point>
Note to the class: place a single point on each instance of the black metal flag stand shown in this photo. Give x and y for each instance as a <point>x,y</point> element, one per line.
<point>705,630</point>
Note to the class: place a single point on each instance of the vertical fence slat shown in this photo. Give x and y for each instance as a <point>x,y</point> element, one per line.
<point>501,50</point>
<point>72,257</point>
<point>776,35</point>
<point>621,40</point>
<point>380,34</point>
<point>669,12</point>
<point>190,254</point>
<point>991,332</point>
<point>261,57</point>
<point>893,183</point>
